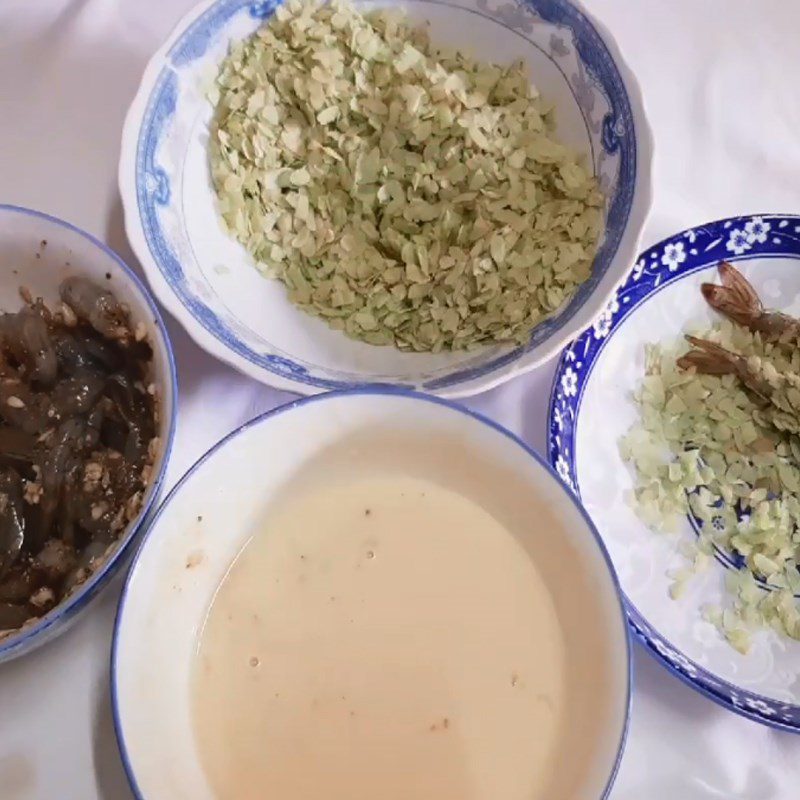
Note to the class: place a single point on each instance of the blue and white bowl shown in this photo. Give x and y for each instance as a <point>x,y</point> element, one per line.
<point>591,407</point>
<point>38,251</point>
<point>207,280</point>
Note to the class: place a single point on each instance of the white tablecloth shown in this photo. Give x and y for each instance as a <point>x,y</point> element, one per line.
<point>720,83</point>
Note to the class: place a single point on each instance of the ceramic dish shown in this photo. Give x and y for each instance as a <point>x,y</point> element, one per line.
<point>204,523</point>
<point>206,279</point>
<point>591,408</point>
<point>39,251</point>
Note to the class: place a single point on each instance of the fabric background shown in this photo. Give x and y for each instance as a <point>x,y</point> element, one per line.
<point>720,83</point>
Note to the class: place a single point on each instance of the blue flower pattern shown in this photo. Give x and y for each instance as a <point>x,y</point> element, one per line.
<point>756,230</point>
<point>738,242</point>
<point>673,256</point>
<point>689,251</point>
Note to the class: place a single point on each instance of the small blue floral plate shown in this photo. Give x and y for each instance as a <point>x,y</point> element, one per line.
<point>208,281</point>
<point>591,408</point>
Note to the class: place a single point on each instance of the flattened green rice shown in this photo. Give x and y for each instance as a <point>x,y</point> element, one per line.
<point>407,195</point>
<point>704,445</point>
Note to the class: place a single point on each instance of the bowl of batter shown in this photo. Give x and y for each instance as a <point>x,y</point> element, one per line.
<point>371,594</point>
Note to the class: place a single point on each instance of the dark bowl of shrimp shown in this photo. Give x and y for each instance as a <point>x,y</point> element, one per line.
<point>87,414</point>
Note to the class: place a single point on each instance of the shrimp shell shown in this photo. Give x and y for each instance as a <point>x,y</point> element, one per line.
<point>737,300</point>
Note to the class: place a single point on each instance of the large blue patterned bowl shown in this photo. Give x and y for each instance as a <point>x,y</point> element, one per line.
<point>208,281</point>
<point>591,407</point>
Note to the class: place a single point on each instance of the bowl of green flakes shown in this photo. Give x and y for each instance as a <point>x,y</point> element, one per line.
<point>432,195</point>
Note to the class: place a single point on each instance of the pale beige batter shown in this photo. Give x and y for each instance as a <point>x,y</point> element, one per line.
<point>380,639</point>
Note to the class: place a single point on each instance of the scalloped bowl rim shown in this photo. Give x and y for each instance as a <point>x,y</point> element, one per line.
<point>583,315</point>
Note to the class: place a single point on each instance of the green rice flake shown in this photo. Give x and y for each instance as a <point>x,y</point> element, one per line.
<point>706,446</point>
<point>407,195</point>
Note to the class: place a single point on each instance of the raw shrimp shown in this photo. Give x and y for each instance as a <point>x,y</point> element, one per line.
<point>97,306</point>
<point>26,337</point>
<point>12,520</point>
<point>75,431</point>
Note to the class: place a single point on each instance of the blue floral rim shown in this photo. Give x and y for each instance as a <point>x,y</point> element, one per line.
<point>731,239</point>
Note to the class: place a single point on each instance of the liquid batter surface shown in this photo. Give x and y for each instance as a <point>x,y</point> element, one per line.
<point>380,638</point>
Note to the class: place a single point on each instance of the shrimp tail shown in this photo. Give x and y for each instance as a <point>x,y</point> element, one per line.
<point>710,358</point>
<point>736,299</point>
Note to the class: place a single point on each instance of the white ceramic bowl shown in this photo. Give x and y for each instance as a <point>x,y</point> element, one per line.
<point>207,280</point>
<point>38,251</point>
<point>211,513</point>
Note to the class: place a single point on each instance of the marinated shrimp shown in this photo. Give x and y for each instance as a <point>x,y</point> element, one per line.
<point>77,441</point>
